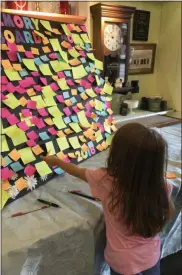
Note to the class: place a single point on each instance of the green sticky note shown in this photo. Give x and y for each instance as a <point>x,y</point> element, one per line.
<point>49,101</point>
<point>85,38</point>
<point>59,122</point>
<point>79,72</point>
<point>98,136</point>
<point>65,29</point>
<point>82,119</point>
<point>90,93</point>
<point>91,56</point>
<point>98,105</point>
<point>59,66</point>
<point>4,198</point>
<point>39,100</point>
<point>44,68</point>
<point>62,143</point>
<point>54,111</point>
<point>11,101</point>
<point>98,64</point>
<point>4,144</point>
<point>17,135</point>
<point>47,91</point>
<point>26,155</point>
<point>108,89</point>
<point>29,63</point>
<point>75,126</point>
<point>62,84</point>
<point>55,44</point>
<point>50,148</point>
<point>77,40</point>
<point>109,139</point>
<point>74,142</point>
<point>43,169</point>
<point>12,74</point>
<point>46,25</point>
<point>73,52</point>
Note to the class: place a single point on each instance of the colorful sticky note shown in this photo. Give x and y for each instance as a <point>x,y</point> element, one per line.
<point>74,142</point>
<point>31,104</point>
<point>108,89</point>
<point>98,105</point>
<point>82,119</point>
<point>7,161</point>
<point>62,84</point>
<point>44,136</point>
<point>4,144</point>
<point>4,198</point>
<point>21,184</point>
<point>52,131</point>
<point>78,72</point>
<point>50,148</point>
<point>75,126</point>
<point>26,155</point>
<point>11,101</point>
<point>90,93</point>
<point>6,185</point>
<point>62,143</point>
<point>66,95</point>
<point>29,63</point>
<point>23,126</point>
<point>59,123</point>
<point>67,120</point>
<point>54,111</point>
<point>16,166</point>
<point>48,92</point>
<point>32,135</point>
<point>42,112</point>
<point>29,170</point>
<point>12,74</point>
<point>15,155</point>
<point>31,143</point>
<point>42,168</point>
<point>39,100</point>
<point>6,173</point>
<point>45,69</point>
<point>67,111</point>
<point>37,150</point>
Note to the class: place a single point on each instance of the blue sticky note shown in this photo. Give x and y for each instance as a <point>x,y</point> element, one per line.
<point>98,113</point>
<point>104,106</point>
<point>23,73</point>
<point>96,119</point>
<point>103,113</point>
<point>102,81</point>
<point>106,135</point>
<point>103,98</point>
<point>44,58</point>
<point>74,119</point>
<point>19,57</point>
<point>68,73</point>
<point>67,120</point>
<point>87,68</point>
<point>97,71</point>
<point>44,136</point>
<point>66,95</point>
<point>83,60</point>
<point>92,65</point>
<point>58,171</point>
<point>90,144</point>
<point>81,89</point>
<point>7,161</point>
<point>73,100</point>
<point>16,166</point>
<point>87,45</point>
<point>38,61</point>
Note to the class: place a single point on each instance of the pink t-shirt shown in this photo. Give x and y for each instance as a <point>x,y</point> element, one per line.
<point>125,254</point>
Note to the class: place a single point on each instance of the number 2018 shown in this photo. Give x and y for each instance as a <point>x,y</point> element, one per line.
<point>84,155</point>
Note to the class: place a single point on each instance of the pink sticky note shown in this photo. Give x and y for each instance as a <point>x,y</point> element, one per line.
<point>67,111</point>
<point>25,83</point>
<point>26,112</point>
<point>12,56</point>
<point>29,54</point>
<point>88,114</point>
<point>43,80</point>
<point>38,88</point>
<point>88,106</point>
<point>60,98</point>
<point>53,56</point>
<point>88,85</point>
<point>97,90</point>
<point>82,53</point>
<point>52,131</point>
<point>70,82</point>
<point>29,170</point>
<point>110,118</point>
<point>54,86</point>
<point>70,39</point>
<point>3,88</point>
<point>31,143</point>
<point>91,78</point>
<point>69,27</point>
<point>12,46</point>
<point>66,159</point>
<point>10,87</point>
<point>108,104</point>
<point>42,112</point>
<point>41,124</point>
<point>12,119</point>
<point>61,75</point>
<point>35,73</point>
<point>101,127</point>
<point>31,104</point>
<point>4,79</point>
<point>35,120</point>
<point>23,126</point>
<point>6,173</point>
<point>5,112</point>
<point>3,97</point>
<point>84,29</point>
<point>75,109</point>
<point>20,90</point>
<point>83,82</point>
<point>32,135</point>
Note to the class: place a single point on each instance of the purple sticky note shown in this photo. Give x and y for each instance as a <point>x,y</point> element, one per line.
<point>31,104</point>
<point>101,127</point>
<point>38,88</point>
<point>10,87</point>
<point>54,87</point>
<point>40,124</point>
<point>20,90</point>
<point>32,135</point>
<point>91,78</point>
<point>6,173</point>
<point>26,112</point>
<point>97,90</point>
<point>88,106</point>
<point>5,112</point>
<point>61,75</point>
<point>12,119</point>
<point>67,111</point>
<point>31,143</point>
<point>42,112</point>
<point>75,109</point>
<point>70,82</point>
<point>60,98</point>
<point>23,126</point>
<point>82,53</point>
<point>43,80</point>
<point>53,56</point>
<point>35,120</point>
<point>29,54</point>
<point>29,170</point>
<point>35,73</point>
<point>88,114</point>
<point>12,46</point>
<point>4,79</point>
<point>52,131</point>
<point>12,56</point>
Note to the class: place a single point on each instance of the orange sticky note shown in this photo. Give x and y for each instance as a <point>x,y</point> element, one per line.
<point>60,134</point>
<point>71,155</point>
<point>78,48</point>
<point>84,147</point>
<point>77,29</point>
<point>92,138</point>
<point>4,47</point>
<point>23,101</point>
<point>99,147</point>
<point>74,62</point>
<point>80,106</point>
<point>55,77</point>
<point>77,81</point>
<point>61,155</point>
<point>170,175</point>
<point>46,49</point>
<point>37,150</point>
<point>56,31</point>
<point>17,67</point>
<point>83,96</point>
<point>31,92</point>
<point>74,91</point>
<point>68,103</point>
<point>92,70</point>
<point>20,48</point>
<point>68,131</point>
<point>34,51</point>
<point>48,121</point>
<point>92,103</point>
<point>110,111</point>
<point>15,155</point>
<point>94,126</point>
<point>21,184</point>
<point>6,64</point>
<point>65,44</point>
<point>5,185</point>
<point>45,40</point>
<point>93,115</point>
<point>113,127</point>
<point>104,145</point>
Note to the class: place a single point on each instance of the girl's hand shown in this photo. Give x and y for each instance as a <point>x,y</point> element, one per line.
<point>50,160</point>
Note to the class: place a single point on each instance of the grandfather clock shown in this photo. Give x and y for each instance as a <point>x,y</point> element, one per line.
<point>111,38</point>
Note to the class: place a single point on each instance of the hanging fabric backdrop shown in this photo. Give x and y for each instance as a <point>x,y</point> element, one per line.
<point>54,101</point>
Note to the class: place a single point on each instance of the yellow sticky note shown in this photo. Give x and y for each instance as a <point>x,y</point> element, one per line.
<point>49,101</point>
<point>44,68</point>
<point>58,121</point>
<point>85,38</point>
<point>42,168</point>
<point>29,63</point>
<point>91,56</point>
<point>37,150</point>
<point>47,91</point>
<point>98,135</point>
<point>55,44</point>
<point>77,39</point>
<point>11,101</point>
<point>98,64</point>
<point>73,52</point>
<point>62,84</point>
<point>50,148</point>
<point>62,143</point>
<point>26,155</point>
<point>4,198</point>
<point>109,139</point>
<point>113,127</point>
<point>4,144</point>
<point>79,72</point>
<point>39,100</point>
<point>75,126</point>
<point>82,139</point>
<point>17,135</point>
<point>59,66</point>
<point>12,74</point>
<point>4,47</point>
<point>98,105</point>
<point>107,128</point>
<point>108,89</point>
<point>54,111</point>
<point>65,29</point>
<point>74,142</point>
<point>82,119</point>
<point>46,25</point>
<point>21,184</point>
<point>90,93</point>
<point>14,154</point>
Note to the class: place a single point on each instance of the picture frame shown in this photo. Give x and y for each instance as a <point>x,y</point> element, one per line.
<point>142,58</point>
<point>141,22</point>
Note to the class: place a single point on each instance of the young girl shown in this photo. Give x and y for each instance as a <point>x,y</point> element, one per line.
<point>134,196</point>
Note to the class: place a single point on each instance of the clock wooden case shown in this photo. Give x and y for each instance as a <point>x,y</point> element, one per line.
<point>111,38</point>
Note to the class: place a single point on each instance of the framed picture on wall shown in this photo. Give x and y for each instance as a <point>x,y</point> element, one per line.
<point>141,25</point>
<point>142,58</point>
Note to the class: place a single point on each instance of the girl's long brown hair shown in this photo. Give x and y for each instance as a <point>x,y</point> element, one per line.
<point>137,163</point>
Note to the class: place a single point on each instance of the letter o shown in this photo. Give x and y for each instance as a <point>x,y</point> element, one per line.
<point>18,21</point>
<point>9,36</point>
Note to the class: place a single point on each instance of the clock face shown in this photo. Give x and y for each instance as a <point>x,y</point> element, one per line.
<point>112,37</point>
